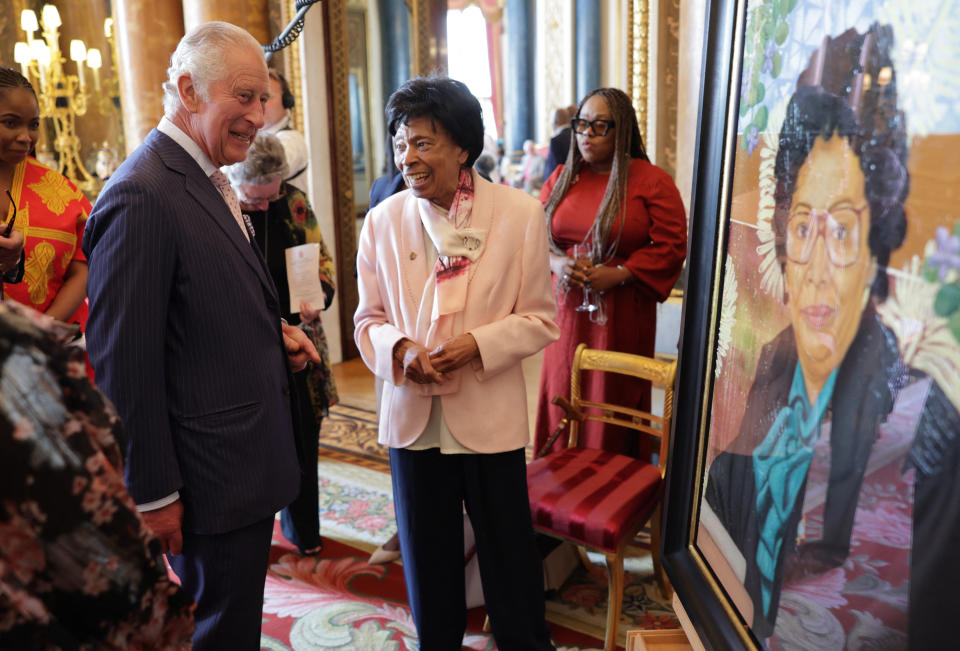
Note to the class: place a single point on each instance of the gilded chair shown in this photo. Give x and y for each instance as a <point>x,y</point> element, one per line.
<point>601,500</point>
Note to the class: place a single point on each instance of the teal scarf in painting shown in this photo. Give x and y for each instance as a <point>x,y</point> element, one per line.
<point>780,466</point>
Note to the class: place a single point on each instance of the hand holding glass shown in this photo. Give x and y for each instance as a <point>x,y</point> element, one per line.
<point>583,261</point>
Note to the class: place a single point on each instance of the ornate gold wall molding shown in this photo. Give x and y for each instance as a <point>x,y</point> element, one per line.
<point>653,44</point>
<point>429,38</point>
<point>667,68</point>
<point>637,77</point>
<point>338,99</point>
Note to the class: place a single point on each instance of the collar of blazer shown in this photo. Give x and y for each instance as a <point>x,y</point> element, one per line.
<point>412,247</point>
<point>206,195</point>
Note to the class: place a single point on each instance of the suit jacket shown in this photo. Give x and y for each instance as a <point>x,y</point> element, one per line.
<point>509,311</point>
<point>385,186</point>
<point>559,148</point>
<point>184,336</point>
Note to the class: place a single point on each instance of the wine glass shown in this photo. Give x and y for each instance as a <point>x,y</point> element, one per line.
<point>583,260</point>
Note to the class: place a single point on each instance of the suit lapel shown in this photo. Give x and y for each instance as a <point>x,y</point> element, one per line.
<point>206,195</point>
<point>412,251</point>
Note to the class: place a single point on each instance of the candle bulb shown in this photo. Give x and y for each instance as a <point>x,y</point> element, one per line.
<point>28,23</point>
<point>41,53</point>
<point>94,62</point>
<point>51,17</point>
<point>21,54</point>
<point>78,53</point>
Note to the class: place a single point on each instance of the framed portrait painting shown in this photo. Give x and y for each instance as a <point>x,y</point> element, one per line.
<point>813,497</point>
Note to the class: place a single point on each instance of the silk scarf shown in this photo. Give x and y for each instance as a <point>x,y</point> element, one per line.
<point>458,247</point>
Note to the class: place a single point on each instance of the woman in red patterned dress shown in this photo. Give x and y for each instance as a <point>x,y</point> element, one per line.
<point>50,211</point>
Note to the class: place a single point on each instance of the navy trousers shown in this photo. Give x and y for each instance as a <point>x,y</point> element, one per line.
<point>430,490</point>
<point>300,521</point>
<point>225,574</point>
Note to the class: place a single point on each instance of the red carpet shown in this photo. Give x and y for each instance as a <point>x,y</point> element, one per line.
<point>337,601</point>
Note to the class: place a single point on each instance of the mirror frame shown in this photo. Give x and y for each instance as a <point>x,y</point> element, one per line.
<point>426,46</point>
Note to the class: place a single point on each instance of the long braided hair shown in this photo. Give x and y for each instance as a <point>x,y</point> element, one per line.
<point>627,145</point>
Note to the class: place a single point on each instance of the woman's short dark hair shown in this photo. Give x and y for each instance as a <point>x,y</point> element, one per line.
<point>878,138</point>
<point>443,100</point>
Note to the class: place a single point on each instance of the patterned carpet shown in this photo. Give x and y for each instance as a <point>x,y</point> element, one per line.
<point>326,603</point>
<point>352,430</point>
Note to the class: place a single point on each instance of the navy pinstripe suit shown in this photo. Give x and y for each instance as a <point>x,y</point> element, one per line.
<point>184,336</point>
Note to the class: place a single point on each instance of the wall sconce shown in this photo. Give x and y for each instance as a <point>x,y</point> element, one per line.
<point>62,96</point>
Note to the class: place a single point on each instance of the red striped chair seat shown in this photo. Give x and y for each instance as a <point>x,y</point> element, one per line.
<point>591,496</point>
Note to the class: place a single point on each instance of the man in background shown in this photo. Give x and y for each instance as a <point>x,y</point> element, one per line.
<point>560,143</point>
<point>279,122</point>
<point>186,338</point>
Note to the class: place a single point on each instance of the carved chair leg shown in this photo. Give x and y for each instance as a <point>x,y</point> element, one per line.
<point>614,599</point>
<point>584,558</point>
<point>666,590</point>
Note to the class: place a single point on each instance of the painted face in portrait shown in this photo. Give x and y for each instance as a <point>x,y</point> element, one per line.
<point>596,150</point>
<point>226,122</point>
<point>429,159</point>
<point>19,124</point>
<point>829,266</point>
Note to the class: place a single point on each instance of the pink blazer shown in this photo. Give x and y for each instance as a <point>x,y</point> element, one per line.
<point>509,311</point>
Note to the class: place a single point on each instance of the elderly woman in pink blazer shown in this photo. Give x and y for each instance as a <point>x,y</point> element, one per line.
<point>454,292</point>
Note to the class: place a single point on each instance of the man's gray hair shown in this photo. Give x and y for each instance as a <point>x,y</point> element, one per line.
<point>265,163</point>
<point>204,54</point>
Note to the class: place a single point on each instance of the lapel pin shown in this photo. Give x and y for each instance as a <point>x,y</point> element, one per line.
<point>413,255</point>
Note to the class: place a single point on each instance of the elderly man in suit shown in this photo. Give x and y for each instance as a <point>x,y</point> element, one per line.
<point>186,338</point>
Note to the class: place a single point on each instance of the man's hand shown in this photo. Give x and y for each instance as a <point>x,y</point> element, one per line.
<point>454,353</point>
<point>10,249</point>
<point>300,349</point>
<point>166,523</point>
<point>415,361</point>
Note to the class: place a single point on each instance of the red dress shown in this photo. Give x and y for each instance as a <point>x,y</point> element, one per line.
<point>653,247</point>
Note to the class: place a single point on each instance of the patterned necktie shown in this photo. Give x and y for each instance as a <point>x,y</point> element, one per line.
<point>223,185</point>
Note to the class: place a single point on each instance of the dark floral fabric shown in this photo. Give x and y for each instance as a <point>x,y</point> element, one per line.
<point>78,569</point>
<point>290,221</point>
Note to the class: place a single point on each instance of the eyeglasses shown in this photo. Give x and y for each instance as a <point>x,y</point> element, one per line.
<point>599,127</point>
<point>252,199</point>
<point>841,233</point>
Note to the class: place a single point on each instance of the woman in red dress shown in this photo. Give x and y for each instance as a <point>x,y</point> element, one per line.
<point>626,213</point>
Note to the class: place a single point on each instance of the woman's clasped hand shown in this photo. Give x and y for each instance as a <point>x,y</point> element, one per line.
<point>430,366</point>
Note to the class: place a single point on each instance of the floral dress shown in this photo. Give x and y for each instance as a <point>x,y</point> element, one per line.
<point>78,569</point>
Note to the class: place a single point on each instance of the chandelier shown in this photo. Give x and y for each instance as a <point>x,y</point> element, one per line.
<point>62,96</point>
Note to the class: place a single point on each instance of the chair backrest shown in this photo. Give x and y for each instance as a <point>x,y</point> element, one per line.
<point>658,372</point>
